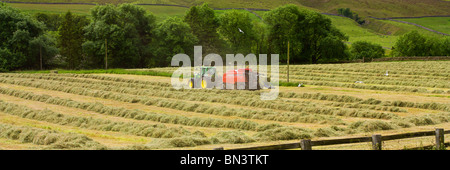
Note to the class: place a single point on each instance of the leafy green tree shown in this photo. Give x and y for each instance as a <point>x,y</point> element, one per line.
<point>350,14</point>
<point>445,46</point>
<point>345,12</point>
<point>366,51</point>
<point>71,38</point>
<point>43,50</point>
<point>260,44</point>
<point>317,29</point>
<point>125,31</point>
<point>332,50</point>
<point>236,29</point>
<point>411,44</point>
<point>174,37</point>
<point>51,21</point>
<point>18,34</point>
<point>309,34</point>
<point>283,24</point>
<point>204,24</point>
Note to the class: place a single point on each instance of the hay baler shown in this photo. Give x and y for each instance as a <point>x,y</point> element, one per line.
<point>238,79</point>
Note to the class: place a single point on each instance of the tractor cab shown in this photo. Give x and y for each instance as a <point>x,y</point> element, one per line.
<point>199,77</point>
<point>204,71</point>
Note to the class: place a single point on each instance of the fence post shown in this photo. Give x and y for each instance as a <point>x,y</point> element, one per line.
<point>376,142</point>
<point>440,139</point>
<point>305,144</point>
<point>219,148</point>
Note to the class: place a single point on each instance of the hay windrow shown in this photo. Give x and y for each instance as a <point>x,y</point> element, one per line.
<point>51,139</point>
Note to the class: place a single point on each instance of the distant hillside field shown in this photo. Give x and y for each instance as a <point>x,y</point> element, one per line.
<point>381,32</point>
<point>358,33</point>
<point>383,8</point>
<point>376,8</point>
<point>441,24</point>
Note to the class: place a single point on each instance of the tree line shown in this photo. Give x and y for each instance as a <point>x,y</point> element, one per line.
<point>128,36</point>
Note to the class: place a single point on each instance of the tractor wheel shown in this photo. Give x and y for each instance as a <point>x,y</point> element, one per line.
<point>191,83</point>
<point>204,84</point>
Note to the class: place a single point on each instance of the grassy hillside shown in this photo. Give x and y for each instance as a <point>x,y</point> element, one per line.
<point>384,33</point>
<point>441,24</point>
<point>396,28</point>
<point>45,8</point>
<point>377,8</point>
<point>358,33</point>
<point>383,8</point>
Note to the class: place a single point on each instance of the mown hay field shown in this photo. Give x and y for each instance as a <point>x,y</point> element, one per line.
<point>116,111</point>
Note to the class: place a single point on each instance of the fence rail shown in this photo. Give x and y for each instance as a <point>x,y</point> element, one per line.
<point>376,140</point>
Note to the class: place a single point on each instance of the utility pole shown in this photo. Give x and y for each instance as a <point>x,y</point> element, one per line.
<point>106,54</point>
<point>288,63</point>
<point>40,55</point>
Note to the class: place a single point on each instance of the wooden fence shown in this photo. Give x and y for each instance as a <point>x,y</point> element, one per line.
<point>376,140</point>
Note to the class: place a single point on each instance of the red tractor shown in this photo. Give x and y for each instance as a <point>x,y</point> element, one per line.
<point>231,78</point>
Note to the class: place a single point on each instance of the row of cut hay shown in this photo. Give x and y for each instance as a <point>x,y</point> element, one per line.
<point>132,86</point>
<point>429,69</point>
<point>244,101</point>
<point>99,81</point>
<point>219,138</point>
<point>371,107</point>
<point>211,95</point>
<point>173,136</point>
<point>397,103</point>
<point>223,99</point>
<point>377,125</point>
<point>367,87</point>
<point>134,114</point>
<point>346,100</point>
<point>317,96</point>
<point>156,130</point>
<point>437,69</point>
<point>381,124</point>
<point>234,137</point>
<point>320,96</point>
<point>161,85</point>
<point>378,81</point>
<point>363,76</point>
<point>51,139</point>
<point>184,106</point>
<point>188,95</point>
<point>369,76</point>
